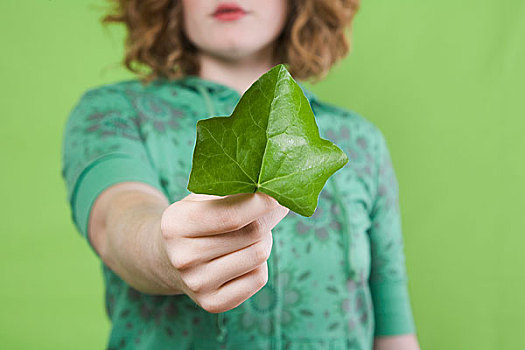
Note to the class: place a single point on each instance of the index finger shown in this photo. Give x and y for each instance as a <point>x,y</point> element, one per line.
<point>224,214</point>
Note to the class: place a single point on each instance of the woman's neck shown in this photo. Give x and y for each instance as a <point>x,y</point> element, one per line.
<point>238,74</point>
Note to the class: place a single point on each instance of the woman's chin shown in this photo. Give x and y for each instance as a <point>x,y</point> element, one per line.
<point>235,53</point>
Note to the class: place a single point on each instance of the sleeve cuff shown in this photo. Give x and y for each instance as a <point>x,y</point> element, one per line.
<point>392,310</point>
<point>101,174</point>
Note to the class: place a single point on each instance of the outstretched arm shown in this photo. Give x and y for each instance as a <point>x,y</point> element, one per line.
<point>214,249</point>
<point>124,229</point>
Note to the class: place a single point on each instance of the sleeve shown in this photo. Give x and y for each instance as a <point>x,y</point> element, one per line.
<point>102,146</point>
<point>388,277</point>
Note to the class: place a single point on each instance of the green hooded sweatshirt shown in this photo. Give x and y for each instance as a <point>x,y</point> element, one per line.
<point>337,279</point>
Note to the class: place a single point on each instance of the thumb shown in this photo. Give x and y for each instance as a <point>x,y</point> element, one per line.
<point>200,197</point>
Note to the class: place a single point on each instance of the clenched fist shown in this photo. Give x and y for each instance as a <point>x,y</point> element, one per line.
<point>220,245</point>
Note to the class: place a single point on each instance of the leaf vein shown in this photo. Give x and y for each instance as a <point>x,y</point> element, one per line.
<point>220,145</point>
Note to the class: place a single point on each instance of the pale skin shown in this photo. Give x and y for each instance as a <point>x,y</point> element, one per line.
<point>213,249</point>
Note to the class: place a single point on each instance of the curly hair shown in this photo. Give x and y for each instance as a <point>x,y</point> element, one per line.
<point>313,39</point>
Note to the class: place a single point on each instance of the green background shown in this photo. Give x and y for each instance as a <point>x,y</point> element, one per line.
<point>444,80</point>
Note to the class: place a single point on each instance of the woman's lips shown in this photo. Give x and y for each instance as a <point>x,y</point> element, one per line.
<point>228,12</point>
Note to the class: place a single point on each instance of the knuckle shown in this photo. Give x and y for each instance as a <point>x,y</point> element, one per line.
<point>165,224</point>
<point>193,216</point>
<point>228,219</point>
<point>177,262</point>
<point>269,201</point>
<point>181,262</point>
<point>261,253</point>
<point>261,278</point>
<point>212,305</point>
<point>255,230</point>
<point>196,285</point>
<point>170,223</point>
<point>164,231</point>
<point>282,212</point>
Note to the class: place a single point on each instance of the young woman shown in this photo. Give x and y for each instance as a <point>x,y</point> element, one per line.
<point>188,271</point>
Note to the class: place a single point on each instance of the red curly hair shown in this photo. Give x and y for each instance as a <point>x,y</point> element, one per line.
<point>312,40</point>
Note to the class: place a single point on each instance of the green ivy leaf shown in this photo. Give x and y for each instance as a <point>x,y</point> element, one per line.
<point>269,144</point>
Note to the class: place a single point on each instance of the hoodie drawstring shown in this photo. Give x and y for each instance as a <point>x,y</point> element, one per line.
<point>221,326</point>
<point>273,266</point>
<point>345,230</point>
<point>343,220</point>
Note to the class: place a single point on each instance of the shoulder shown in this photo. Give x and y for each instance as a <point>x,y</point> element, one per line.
<point>103,105</point>
<point>109,96</point>
<point>362,141</point>
<point>120,91</point>
<point>124,96</point>
<point>134,94</point>
<point>347,127</point>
